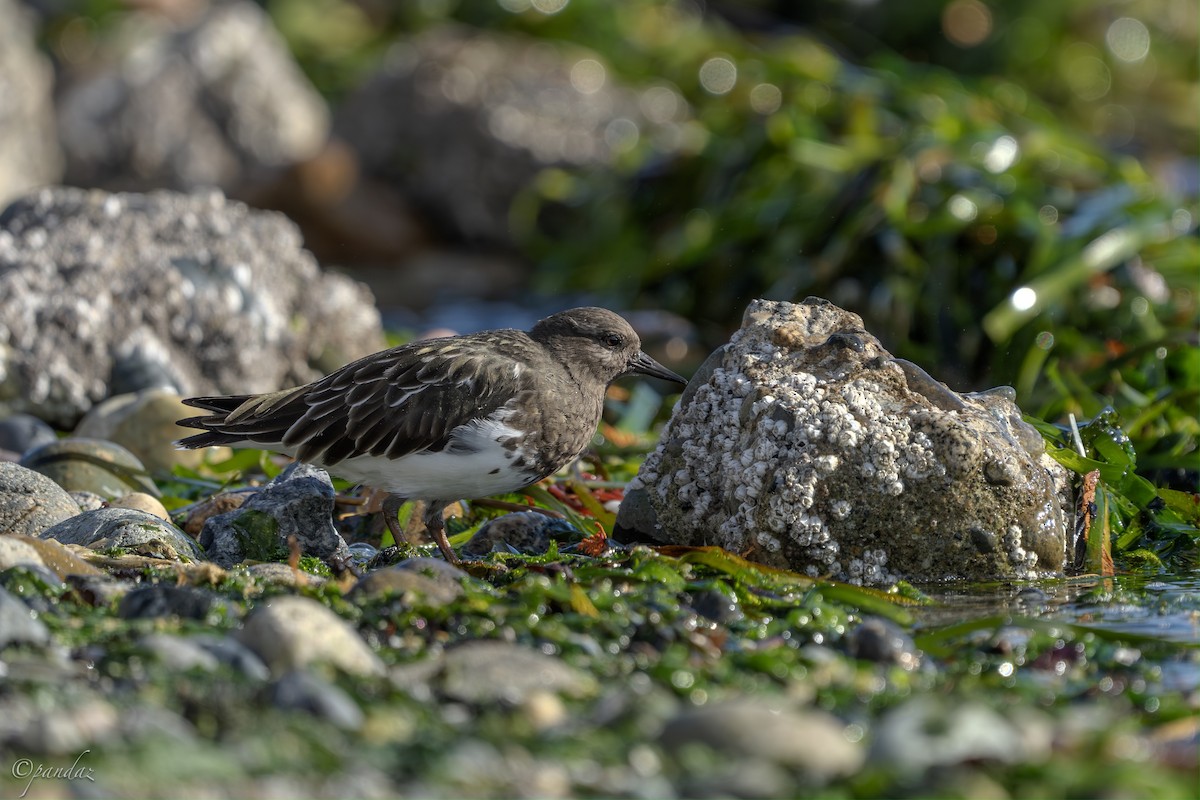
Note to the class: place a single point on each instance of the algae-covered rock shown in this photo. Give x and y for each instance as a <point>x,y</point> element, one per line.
<point>804,444</point>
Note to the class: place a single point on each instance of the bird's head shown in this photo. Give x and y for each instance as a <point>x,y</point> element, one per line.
<point>600,340</point>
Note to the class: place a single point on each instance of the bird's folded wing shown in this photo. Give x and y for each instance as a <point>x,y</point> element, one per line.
<point>404,401</point>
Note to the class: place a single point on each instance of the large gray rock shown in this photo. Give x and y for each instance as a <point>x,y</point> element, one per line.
<point>30,502</point>
<point>214,101</point>
<point>194,292</point>
<point>29,154</point>
<point>297,502</point>
<point>461,122</point>
<point>803,444</point>
<point>128,529</point>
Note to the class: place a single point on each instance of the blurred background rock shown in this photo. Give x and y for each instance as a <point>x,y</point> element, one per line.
<point>1007,191</point>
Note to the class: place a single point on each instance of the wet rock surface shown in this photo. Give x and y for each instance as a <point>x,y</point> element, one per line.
<point>297,503</point>
<point>127,529</point>
<point>802,443</point>
<point>194,292</point>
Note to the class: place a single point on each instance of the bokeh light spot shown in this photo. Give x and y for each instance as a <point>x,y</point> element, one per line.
<point>1048,214</point>
<point>587,76</point>
<point>1023,299</point>
<point>660,104</point>
<point>1001,155</point>
<point>1128,39</point>
<point>967,22</point>
<point>549,6</point>
<point>1045,340</point>
<point>962,208</point>
<point>1088,76</point>
<point>765,98</point>
<point>621,135</point>
<point>718,75</point>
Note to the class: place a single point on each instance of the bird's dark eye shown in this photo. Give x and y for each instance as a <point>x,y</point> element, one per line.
<point>613,340</point>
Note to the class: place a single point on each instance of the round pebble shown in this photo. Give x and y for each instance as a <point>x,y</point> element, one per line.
<point>811,742</point>
<point>19,623</point>
<point>140,501</point>
<point>91,465</point>
<point>22,432</point>
<point>300,690</point>
<point>150,602</point>
<point>926,732</point>
<point>520,532</point>
<point>291,632</point>
<point>495,671</point>
<point>144,423</point>
<point>31,502</point>
<point>880,640</point>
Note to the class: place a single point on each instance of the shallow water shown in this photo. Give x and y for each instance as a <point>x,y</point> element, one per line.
<point>1152,610</point>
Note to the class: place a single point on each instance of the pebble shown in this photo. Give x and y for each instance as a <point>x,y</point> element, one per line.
<point>521,532</point>
<point>198,513</point>
<point>276,573</point>
<point>91,465</point>
<point>150,602</point>
<point>811,742</point>
<point>99,590</point>
<point>31,502</point>
<point>61,731</point>
<point>140,501</point>
<point>59,558</point>
<point>411,584</point>
<point>717,605</point>
<point>22,432</point>
<point>16,552</point>
<point>37,586</point>
<point>204,651</point>
<point>19,623</point>
<point>291,632</point>
<point>486,671</point>
<point>128,529</point>
<point>300,690</point>
<point>88,501</point>
<point>927,732</point>
<point>144,423</point>
<point>880,640</point>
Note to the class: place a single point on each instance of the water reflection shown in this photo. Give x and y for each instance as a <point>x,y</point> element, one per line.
<point>1163,608</point>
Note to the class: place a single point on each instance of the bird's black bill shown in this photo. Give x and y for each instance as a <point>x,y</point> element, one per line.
<point>643,364</point>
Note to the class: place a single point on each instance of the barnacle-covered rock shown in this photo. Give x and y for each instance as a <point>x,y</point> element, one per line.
<point>803,444</point>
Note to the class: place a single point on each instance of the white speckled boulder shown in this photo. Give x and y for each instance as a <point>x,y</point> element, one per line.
<point>104,294</point>
<point>803,444</point>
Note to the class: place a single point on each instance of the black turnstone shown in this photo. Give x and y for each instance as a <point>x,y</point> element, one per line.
<point>447,419</point>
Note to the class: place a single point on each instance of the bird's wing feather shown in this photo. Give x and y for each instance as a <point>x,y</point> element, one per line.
<point>402,401</point>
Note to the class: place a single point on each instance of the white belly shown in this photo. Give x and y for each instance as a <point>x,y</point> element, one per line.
<point>441,476</point>
<point>474,465</point>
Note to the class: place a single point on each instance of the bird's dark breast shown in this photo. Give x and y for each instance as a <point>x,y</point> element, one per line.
<point>555,432</point>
